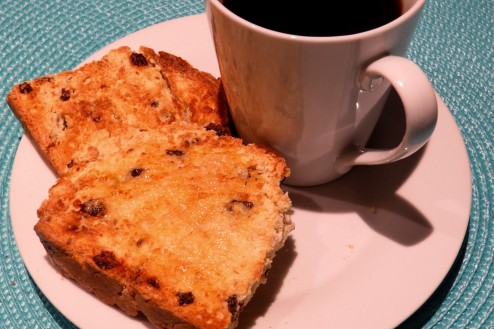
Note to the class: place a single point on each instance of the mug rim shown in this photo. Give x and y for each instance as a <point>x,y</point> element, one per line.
<point>411,12</point>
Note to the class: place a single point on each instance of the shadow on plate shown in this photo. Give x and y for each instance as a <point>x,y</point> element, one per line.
<point>266,293</point>
<point>372,191</point>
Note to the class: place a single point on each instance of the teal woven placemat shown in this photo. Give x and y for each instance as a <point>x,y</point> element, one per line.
<point>454,45</point>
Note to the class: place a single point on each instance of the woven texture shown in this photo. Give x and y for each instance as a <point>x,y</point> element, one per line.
<point>454,45</point>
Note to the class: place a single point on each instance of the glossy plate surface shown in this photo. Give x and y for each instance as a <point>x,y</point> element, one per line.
<point>367,251</point>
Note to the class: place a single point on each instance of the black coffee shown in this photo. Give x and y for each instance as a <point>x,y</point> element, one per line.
<point>317,17</point>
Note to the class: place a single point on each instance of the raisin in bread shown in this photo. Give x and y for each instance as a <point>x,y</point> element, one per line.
<point>124,89</point>
<point>177,223</point>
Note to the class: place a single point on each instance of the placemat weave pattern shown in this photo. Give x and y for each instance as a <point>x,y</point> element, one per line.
<point>454,45</point>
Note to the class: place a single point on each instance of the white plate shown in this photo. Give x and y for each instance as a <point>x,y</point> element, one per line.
<point>367,251</point>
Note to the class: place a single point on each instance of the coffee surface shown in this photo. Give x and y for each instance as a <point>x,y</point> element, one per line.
<point>317,18</point>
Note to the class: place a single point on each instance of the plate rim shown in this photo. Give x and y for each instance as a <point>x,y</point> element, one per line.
<point>187,20</point>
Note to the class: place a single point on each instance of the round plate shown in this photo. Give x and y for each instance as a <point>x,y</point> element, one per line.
<point>367,251</point>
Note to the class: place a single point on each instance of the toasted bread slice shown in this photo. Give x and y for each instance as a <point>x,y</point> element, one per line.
<point>124,89</point>
<point>177,223</point>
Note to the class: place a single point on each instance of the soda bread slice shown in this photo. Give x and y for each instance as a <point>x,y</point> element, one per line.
<point>124,89</point>
<point>177,223</point>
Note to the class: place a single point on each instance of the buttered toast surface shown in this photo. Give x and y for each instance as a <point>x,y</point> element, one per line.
<point>177,223</point>
<point>157,209</point>
<point>126,88</point>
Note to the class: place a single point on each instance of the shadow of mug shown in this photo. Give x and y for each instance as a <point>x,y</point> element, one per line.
<point>372,191</point>
<point>369,191</point>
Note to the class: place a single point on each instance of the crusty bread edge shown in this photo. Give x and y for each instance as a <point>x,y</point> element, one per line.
<point>108,290</point>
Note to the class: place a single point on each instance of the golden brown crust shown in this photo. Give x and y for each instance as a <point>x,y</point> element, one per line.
<point>177,223</point>
<point>123,89</point>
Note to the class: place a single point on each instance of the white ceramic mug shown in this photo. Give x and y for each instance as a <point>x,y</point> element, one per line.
<point>316,100</point>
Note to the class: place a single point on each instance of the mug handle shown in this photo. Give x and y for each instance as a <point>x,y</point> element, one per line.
<point>420,105</point>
